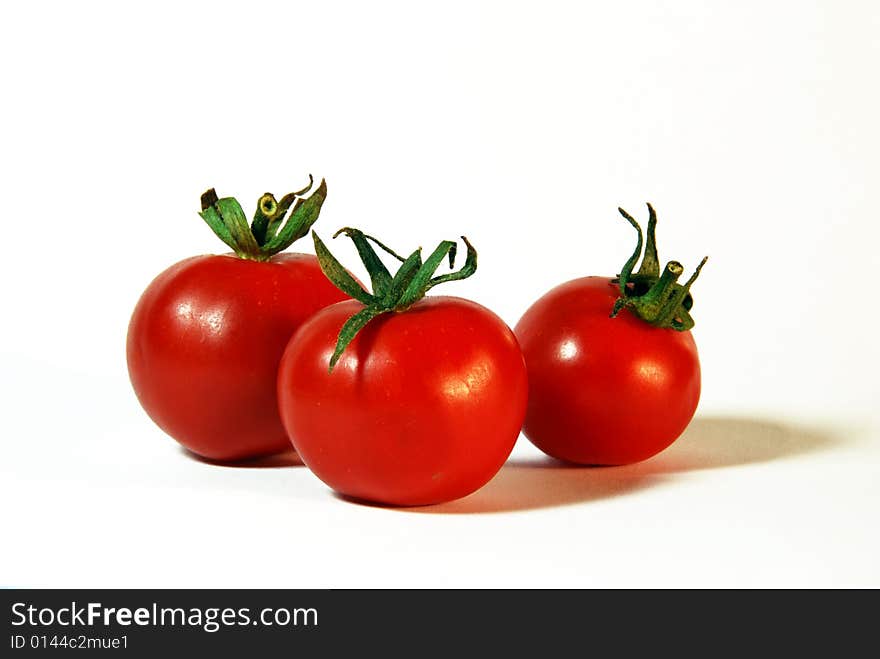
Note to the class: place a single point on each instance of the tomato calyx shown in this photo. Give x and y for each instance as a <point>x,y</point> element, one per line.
<point>268,233</point>
<point>655,297</point>
<point>396,293</point>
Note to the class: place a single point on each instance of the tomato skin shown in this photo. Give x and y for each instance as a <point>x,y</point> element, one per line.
<point>604,391</point>
<point>204,344</point>
<point>423,407</point>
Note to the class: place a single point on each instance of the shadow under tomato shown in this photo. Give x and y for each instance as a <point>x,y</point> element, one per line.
<point>715,442</point>
<point>708,443</point>
<point>277,461</point>
<point>542,482</point>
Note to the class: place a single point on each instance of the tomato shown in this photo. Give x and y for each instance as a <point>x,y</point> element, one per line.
<point>609,390</point>
<point>206,337</point>
<point>204,345</point>
<point>424,405</point>
<point>603,390</point>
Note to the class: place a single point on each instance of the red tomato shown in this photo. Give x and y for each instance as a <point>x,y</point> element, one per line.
<point>604,391</point>
<point>424,405</point>
<point>204,344</point>
<point>614,376</point>
<point>206,337</point>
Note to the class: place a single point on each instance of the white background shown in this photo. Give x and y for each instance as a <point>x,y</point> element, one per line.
<point>751,126</point>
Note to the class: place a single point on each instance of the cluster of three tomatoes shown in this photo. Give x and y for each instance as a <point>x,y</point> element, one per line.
<point>392,396</point>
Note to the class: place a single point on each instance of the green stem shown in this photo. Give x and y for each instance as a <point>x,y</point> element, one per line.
<point>655,297</point>
<point>469,267</point>
<point>627,269</point>
<point>285,203</point>
<point>380,278</point>
<point>650,262</point>
<point>351,327</point>
<point>409,284</point>
<point>337,274</point>
<point>268,233</point>
<point>267,208</point>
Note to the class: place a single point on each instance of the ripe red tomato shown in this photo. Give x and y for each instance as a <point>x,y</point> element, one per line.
<point>204,344</point>
<point>423,406</point>
<point>610,390</point>
<point>604,390</point>
<point>205,340</point>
